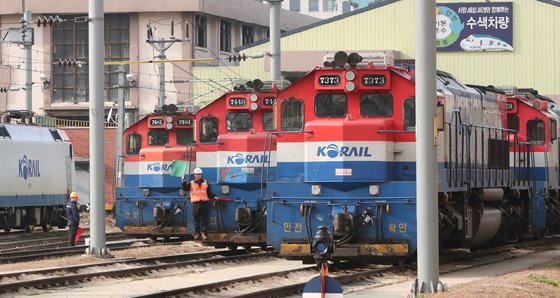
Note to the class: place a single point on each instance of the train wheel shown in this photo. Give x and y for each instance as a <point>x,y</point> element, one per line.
<point>46,227</point>
<point>232,247</point>
<point>29,228</point>
<point>7,230</point>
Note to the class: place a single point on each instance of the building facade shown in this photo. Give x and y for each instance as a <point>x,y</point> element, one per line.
<point>201,29</point>
<point>324,9</point>
<point>389,26</point>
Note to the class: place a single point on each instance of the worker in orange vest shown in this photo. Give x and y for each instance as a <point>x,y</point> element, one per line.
<point>200,193</point>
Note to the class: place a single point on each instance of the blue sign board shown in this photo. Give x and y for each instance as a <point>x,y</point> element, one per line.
<point>474,27</point>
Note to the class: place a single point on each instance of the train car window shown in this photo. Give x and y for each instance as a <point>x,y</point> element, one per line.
<point>133,144</point>
<point>331,105</point>
<point>535,132</point>
<point>268,121</point>
<point>292,115</point>
<point>56,136</point>
<point>158,137</point>
<point>513,123</point>
<point>185,136</point>
<point>376,104</point>
<point>553,130</point>
<point>4,134</point>
<point>208,129</point>
<point>409,114</point>
<point>239,121</point>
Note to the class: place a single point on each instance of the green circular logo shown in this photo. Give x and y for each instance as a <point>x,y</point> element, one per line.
<point>448,26</point>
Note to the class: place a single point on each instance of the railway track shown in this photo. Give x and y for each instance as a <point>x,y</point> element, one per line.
<point>19,255</point>
<point>285,284</point>
<point>45,278</point>
<point>202,273</point>
<point>48,242</point>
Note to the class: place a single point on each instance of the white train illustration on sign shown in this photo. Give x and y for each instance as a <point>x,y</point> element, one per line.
<point>482,42</point>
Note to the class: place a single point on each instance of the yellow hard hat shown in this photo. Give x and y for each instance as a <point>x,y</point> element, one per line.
<point>73,194</point>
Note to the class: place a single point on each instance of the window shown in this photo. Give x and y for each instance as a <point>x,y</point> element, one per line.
<point>409,114</point>
<point>535,132</point>
<point>225,36</point>
<point>200,31</point>
<point>268,121</point>
<point>117,48</point>
<point>208,129</point>
<point>185,136</point>
<point>313,5</point>
<point>294,5</point>
<point>513,123</point>
<point>238,121</point>
<point>328,5</point>
<point>292,114</point>
<point>158,137</point>
<point>4,134</point>
<point>553,130</point>
<point>248,34</point>
<point>346,7</point>
<point>133,144</point>
<point>70,41</point>
<point>376,104</point>
<point>330,105</point>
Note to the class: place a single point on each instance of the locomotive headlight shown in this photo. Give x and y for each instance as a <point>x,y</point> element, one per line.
<point>253,106</point>
<point>316,189</point>
<point>350,86</point>
<point>350,75</point>
<point>169,119</point>
<point>225,189</point>
<point>374,189</point>
<point>169,125</point>
<point>146,192</point>
<point>253,97</point>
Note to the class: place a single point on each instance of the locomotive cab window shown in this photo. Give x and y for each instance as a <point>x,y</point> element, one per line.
<point>185,136</point>
<point>513,123</point>
<point>535,132</point>
<point>268,121</point>
<point>409,114</point>
<point>158,137</point>
<point>331,105</point>
<point>208,129</point>
<point>553,130</point>
<point>239,121</point>
<point>292,115</point>
<point>376,104</point>
<point>133,144</point>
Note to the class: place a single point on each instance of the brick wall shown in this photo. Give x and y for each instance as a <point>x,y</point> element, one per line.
<point>80,141</point>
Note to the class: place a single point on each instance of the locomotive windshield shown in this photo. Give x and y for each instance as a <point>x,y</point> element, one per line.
<point>535,132</point>
<point>238,121</point>
<point>268,121</point>
<point>331,105</point>
<point>185,136</point>
<point>158,137</point>
<point>208,129</point>
<point>376,104</point>
<point>133,144</point>
<point>292,115</point>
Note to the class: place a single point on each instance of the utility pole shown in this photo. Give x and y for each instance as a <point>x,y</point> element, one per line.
<point>26,20</point>
<point>275,6</point>
<point>161,45</point>
<point>426,142</point>
<point>97,125</point>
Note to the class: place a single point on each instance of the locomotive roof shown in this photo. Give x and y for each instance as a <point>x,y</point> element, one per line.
<point>29,133</point>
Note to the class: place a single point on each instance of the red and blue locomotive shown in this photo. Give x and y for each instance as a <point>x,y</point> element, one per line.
<point>149,203</point>
<point>346,169</point>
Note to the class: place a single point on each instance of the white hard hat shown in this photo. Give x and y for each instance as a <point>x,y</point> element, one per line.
<point>197,171</point>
